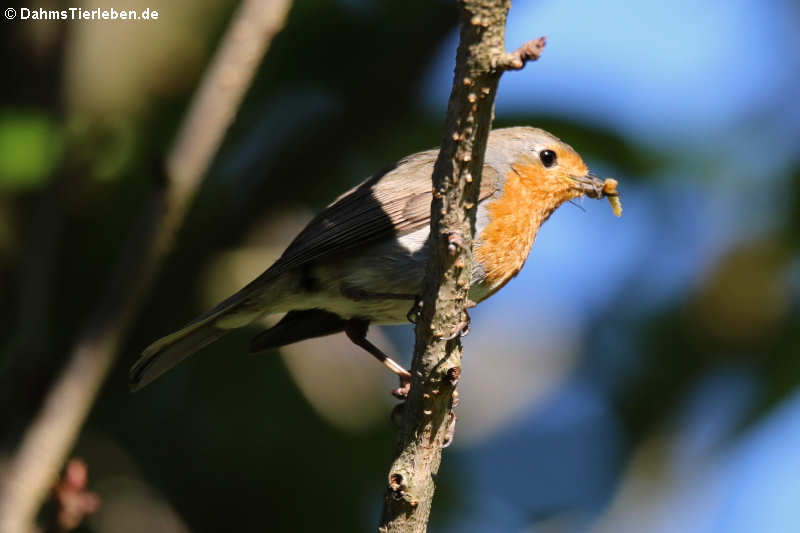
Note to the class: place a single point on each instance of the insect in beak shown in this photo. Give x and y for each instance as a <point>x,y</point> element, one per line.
<point>594,187</point>
<point>590,185</point>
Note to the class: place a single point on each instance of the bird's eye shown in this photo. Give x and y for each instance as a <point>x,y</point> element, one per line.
<point>548,158</point>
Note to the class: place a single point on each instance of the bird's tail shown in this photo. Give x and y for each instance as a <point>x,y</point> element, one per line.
<point>168,351</point>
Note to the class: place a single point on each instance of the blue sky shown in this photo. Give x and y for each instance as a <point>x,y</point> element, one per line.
<point>659,71</point>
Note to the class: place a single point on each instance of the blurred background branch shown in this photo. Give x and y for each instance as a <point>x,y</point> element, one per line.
<point>48,440</point>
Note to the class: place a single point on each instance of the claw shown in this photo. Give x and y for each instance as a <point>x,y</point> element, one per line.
<point>401,392</point>
<point>462,328</point>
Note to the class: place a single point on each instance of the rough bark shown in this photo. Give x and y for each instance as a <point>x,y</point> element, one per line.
<point>428,419</point>
<point>47,442</point>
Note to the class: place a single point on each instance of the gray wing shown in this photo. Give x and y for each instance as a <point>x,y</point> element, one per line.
<point>390,203</point>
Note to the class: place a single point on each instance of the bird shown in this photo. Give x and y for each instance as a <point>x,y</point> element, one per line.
<point>362,259</point>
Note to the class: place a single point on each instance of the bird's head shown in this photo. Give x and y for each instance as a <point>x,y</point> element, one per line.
<point>548,167</point>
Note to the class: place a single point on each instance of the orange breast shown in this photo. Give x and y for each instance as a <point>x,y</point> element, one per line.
<point>527,201</point>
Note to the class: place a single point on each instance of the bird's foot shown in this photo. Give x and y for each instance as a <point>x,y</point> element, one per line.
<point>401,392</point>
<point>462,328</point>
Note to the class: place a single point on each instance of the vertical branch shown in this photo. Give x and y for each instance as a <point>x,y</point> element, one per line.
<point>50,437</point>
<point>428,420</point>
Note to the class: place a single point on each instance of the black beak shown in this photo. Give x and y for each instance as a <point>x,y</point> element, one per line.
<point>590,185</point>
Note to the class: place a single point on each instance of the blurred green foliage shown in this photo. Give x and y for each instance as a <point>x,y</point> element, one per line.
<point>30,148</point>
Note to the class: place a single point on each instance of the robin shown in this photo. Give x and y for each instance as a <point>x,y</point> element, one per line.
<point>361,261</point>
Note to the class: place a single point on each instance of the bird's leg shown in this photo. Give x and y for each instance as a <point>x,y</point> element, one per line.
<point>356,331</point>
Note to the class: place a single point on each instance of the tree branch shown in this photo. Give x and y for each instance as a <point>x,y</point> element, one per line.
<point>515,60</point>
<point>50,437</point>
<point>428,420</point>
